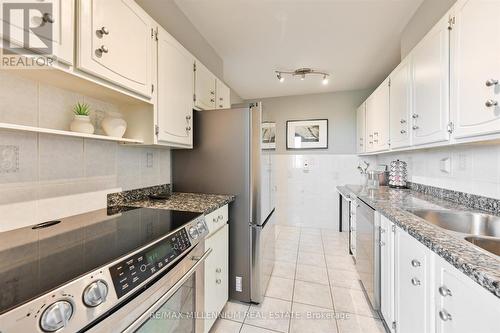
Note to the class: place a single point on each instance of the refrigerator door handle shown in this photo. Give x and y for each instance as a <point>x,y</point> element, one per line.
<point>261,226</point>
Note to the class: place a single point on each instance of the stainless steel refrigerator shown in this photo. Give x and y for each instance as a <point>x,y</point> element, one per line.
<point>228,158</point>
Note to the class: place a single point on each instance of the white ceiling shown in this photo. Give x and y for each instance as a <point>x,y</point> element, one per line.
<point>356,41</point>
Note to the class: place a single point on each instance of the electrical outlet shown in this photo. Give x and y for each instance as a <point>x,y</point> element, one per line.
<point>9,159</point>
<point>462,162</point>
<point>149,160</point>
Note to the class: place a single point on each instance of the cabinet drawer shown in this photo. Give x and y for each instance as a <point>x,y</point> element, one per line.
<point>217,219</point>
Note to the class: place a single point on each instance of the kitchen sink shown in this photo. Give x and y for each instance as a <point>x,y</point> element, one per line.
<point>475,224</point>
<point>489,244</point>
<point>482,230</point>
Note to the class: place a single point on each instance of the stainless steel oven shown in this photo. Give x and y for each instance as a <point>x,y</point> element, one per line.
<point>368,251</point>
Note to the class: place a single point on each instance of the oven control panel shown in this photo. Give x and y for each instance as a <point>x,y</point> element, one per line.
<point>137,268</point>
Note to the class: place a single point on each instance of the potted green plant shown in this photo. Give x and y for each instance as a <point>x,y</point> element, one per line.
<point>81,122</point>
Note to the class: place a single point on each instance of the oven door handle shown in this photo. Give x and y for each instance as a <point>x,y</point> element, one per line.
<point>147,314</point>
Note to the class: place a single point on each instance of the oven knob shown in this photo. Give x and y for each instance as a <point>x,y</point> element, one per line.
<point>56,316</point>
<point>193,233</point>
<point>201,227</point>
<point>95,293</point>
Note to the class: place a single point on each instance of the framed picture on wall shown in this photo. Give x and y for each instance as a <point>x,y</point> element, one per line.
<point>268,135</point>
<point>307,134</point>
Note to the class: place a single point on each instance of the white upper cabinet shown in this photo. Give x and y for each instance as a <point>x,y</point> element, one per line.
<point>174,91</point>
<point>205,85</point>
<point>475,74</point>
<point>223,95</point>
<point>115,43</point>
<point>400,105</point>
<point>360,128</point>
<point>430,62</point>
<point>377,119</point>
<point>59,15</point>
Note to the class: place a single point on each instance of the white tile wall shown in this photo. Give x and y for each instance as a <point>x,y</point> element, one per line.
<point>307,197</point>
<point>473,168</point>
<point>44,177</point>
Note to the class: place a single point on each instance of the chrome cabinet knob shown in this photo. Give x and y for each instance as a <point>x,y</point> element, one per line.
<point>103,49</point>
<point>221,106</point>
<point>212,100</point>
<point>491,82</point>
<point>212,92</point>
<point>415,263</point>
<point>95,293</point>
<point>218,270</point>
<point>218,281</point>
<point>381,243</point>
<point>188,128</point>
<point>414,116</point>
<point>415,282</point>
<point>56,316</point>
<point>375,133</point>
<point>220,217</point>
<point>188,117</point>
<point>444,291</point>
<point>48,18</point>
<point>402,131</point>
<point>403,121</point>
<point>104,31</point>
<point>444,315</point>
<point>415,127</point>
<point>491,102</point>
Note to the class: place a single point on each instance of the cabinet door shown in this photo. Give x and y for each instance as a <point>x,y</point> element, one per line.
<point>430,62</point>
<point>360,128</point>
<point>370,119</point>
<point>378,108</point>
<point>400,105</point>
<point>58,15</point>
<point>205,83</point>
<point>223,94</point>
<point>114,43</point>
<point>413,285</point>
<point>175,91</point>
<point>216,274</point>
<point>465,307</point>
<point>475,46</point>
<point>387,271</point>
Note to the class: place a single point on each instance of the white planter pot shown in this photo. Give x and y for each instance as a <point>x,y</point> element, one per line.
<point>113,125</point>
<point>82,124</point>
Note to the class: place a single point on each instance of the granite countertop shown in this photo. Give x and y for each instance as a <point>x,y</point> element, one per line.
<point>479,265</point>
<point>192,202</point>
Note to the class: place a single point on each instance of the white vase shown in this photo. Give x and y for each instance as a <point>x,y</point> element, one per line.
<point>82,124</point>
<point>113,125</point>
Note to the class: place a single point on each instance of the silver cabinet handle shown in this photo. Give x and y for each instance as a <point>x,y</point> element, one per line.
<point>415,282</point>
<point>444,291</point>
<point>444,315</point>
<point>491,102</point>
<point>403,121</point>
<point>220,217</point>
<point>212,100</point>
<point>414,116</point>
<point>188,117</point>
<point>375,141</point>
<point>218,281</point>
<point>375,133</point>
<point>212,92</point>
<point>402,131</point>
<point>218,270</point>
<point>103,49</point>
<point>103,31</point>
<point>220,105</point>
<point>415,127</point>
<point>48,18</point>
<point>371,135</point>
<point>415,263</point>
<point>381,243</point>
<point>491,82</point>
<point>382,230</point>
<point>371,142</point>
<point>188,128</point>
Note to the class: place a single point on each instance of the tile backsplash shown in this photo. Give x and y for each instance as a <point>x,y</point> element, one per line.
<point>44,177</point>
<point>471,169</point>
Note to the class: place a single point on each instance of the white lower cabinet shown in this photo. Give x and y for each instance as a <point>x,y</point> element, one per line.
<point>413,285</point>
<point>216,275</point>
<point>461,305</point>
<point>387,231</point>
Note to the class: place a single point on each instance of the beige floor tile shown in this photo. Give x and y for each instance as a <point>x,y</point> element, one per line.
<point>313,259</point>
<point>225,326</point>
<point>272,314</point>
<point>308,318</point>
<point>284,269</point>
<point>336,251</point>
<point>311,247</point>
<point>254,329</point>
<point>286,255</point>
<point>286,245</point>
<point>312,294</point>
<point>360,324</point>
<point>343,262</point>
<point>313,274</point>
<point>345,279</point>
<point>235,311</point>
<point>280,288</point>
<point>309,238</point>
<point>310,231</point>
<point>352,301</point>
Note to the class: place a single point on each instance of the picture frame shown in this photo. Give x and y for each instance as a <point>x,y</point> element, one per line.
<point>268,135</point>
<point>307,134</point>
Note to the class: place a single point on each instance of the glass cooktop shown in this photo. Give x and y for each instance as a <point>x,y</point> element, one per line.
<point>34,260</point>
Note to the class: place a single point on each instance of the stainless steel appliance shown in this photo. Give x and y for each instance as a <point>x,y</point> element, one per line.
<point>228,158</point>
<point>368,251</point>
<point>345,209</point>
<point>124,269</point>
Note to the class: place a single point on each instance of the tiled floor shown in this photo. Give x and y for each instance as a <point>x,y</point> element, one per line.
<point>314,288</point>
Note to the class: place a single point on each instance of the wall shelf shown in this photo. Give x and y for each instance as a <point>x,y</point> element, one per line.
<point>16,127</point>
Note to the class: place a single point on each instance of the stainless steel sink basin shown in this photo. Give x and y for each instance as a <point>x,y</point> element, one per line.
<point>489,244</point>
<point>475,224</point>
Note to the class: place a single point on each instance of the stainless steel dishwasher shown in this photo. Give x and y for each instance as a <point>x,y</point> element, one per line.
<point>368,251</point>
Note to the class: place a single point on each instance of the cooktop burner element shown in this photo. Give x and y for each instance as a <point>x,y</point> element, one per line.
<point>36,260</point>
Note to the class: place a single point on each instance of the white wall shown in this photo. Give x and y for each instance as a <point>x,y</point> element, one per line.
<point>427,15</point>
<point>58,176</point>
<point>474,169</point>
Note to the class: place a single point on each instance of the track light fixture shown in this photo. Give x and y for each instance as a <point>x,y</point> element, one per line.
<point>302,73</point>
